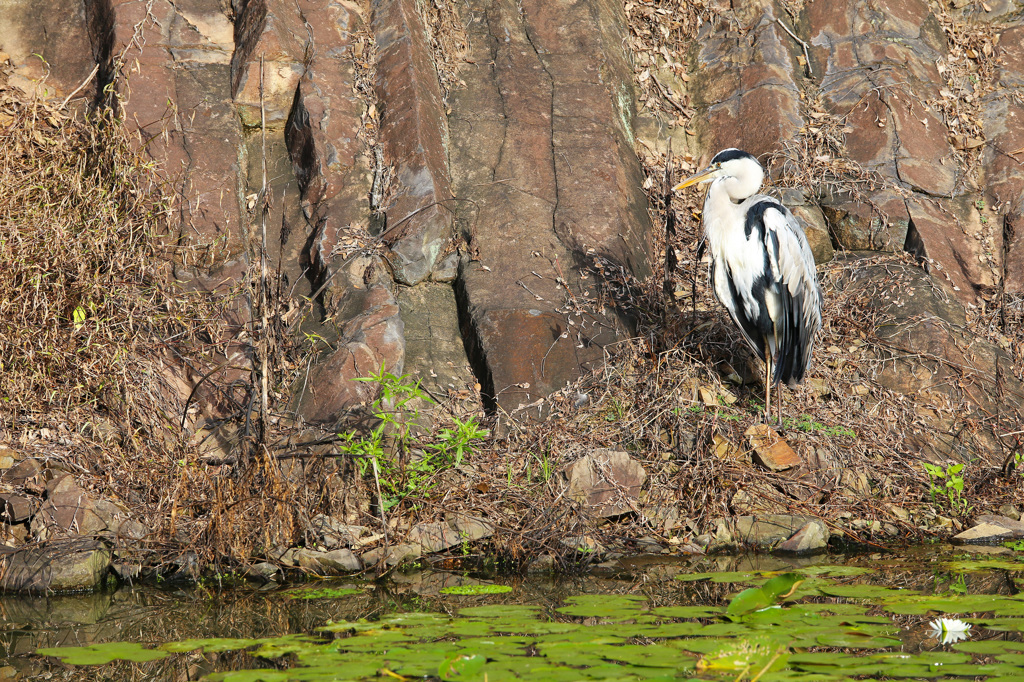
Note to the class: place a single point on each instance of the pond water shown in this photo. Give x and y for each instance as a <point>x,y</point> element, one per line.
<point>921,615</point>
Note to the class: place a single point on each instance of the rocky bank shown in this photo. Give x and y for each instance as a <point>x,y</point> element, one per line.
<point>470,193</point>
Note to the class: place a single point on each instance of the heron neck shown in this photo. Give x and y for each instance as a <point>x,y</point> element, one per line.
<point>722,215</point>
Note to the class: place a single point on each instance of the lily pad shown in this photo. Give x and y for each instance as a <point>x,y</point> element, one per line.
<point>325,593</point>
<point>606,606</point>
<point>473,590</point>
<point>211,645</point>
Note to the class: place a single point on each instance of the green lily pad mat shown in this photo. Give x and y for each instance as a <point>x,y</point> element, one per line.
<point>821,624</point>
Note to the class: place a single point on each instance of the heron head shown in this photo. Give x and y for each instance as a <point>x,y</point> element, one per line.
<point>730,163</point>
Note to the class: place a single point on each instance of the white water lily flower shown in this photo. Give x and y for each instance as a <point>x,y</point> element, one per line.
<point>950,630</point>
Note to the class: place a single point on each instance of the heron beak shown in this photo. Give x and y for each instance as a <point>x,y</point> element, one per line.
<point>705,175</point>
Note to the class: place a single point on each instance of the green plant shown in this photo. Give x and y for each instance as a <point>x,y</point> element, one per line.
<point>808,425</point>
<point>401,466</point>
<point>455,443</point>
<point>947,481</point>
<point>958,584</point>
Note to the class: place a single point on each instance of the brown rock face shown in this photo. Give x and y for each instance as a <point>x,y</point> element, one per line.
<point>879,222</point>
<point>50,51</point>
<point>895,130</point>
<point>950,232</point>
<point>748,86</point>
<point>542,156</point>
<point>175,86</point>
<point>1004,125</point>
<point>415,132</point>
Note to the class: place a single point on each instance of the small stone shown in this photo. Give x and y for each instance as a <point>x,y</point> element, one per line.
<point>704,539</point>
<point>470,528</point>
<point>583,543</point>
<point>771,529</point>
<point>724,448</point>
<point>666,517</point>
<point>607,482</point>
<point>1010,511</point>
<point>8,457</point>
<point>17,508</point>
<point>818,386</point>
<point>899,512</point>
<point>742,502</point>
<point>434,537</point>
<point>812,538</point>
<point>334,533</point>
<point>649,545</point>
<point>770,450</point>
<point>982,534</point>
<point>62,483</point>
<point>126,571</point>
<point>545,563</point>
<point>263,571</point>
<point>22,472</point>
<point>446,269</point>
<point>59,566</point>
<point>392,556</point>
<point>344,560</point>
<point>334,562</point>
<point>132,530</point>
<point>855,482</point>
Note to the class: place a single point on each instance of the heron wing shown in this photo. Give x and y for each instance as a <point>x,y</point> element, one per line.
<point>796,315</point>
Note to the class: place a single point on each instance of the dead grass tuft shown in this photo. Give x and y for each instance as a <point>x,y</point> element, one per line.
<point>83,312</point>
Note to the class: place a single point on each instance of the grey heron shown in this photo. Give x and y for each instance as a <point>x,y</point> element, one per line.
<point>762,268</point>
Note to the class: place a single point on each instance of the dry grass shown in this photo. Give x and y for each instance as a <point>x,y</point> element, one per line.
<point>100,350</point>
<point>81,302</point>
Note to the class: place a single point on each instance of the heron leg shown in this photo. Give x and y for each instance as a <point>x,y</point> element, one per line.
<point>778,402</point>
<point>767,384</point>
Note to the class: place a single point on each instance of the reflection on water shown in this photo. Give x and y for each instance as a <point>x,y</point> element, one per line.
<point>152,616</point>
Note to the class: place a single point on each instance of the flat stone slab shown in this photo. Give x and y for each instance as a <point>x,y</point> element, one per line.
<point>392,555</point>
<point>606,483</point>
<point>471,528</point>
<point>334,562</point>
<point>771,529</point>
<point>984,534</point>
<point>1017,527</point>
<point>770,449</point>
<point>57,566</point>
<point>812,538</point>
<point>434,537</point>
